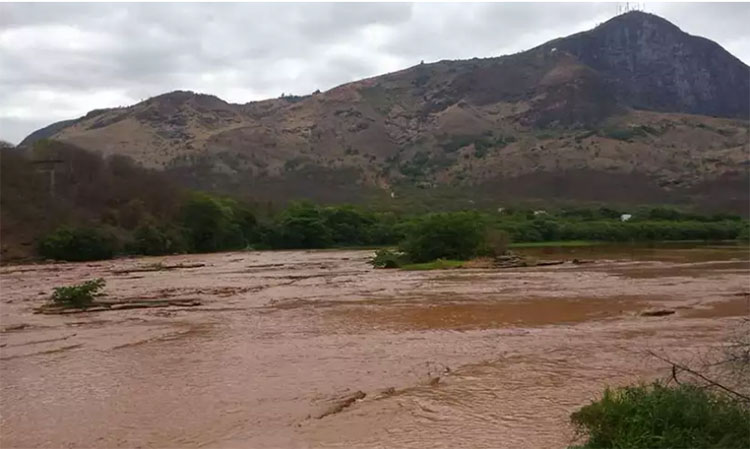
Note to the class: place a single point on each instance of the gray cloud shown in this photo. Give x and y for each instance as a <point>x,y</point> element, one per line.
<point>58,61</point>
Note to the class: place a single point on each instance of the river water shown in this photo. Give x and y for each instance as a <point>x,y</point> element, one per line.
<point>457,358</point>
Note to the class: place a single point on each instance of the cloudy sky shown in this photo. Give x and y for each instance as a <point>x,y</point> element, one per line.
<point>58,61</point>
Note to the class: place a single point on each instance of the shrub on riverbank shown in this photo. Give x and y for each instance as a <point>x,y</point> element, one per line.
<point>154,240</point>
<point>657,416</point>
<point>457,235</point>
<point>387,258</point>
<point>301,225</point>
<point>441,241</point>
<point>207,223</point>
<point>216,224</point>
<point>651,230</point>
<point>78,244</point>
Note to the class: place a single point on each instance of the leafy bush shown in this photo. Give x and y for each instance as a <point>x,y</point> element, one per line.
<point>657,416</point>
<point>153,240</point>
<point>457,235</point>
<point>78,244</point>
<point>79,295</point>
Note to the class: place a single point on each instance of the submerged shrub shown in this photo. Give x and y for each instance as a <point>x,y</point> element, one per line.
<point>79,295</point>
<point>78,244</point>
<point>387,258</point>
<point>457,236</point>
<point>657,416</point>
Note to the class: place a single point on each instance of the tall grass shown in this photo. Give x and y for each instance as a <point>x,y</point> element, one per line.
<point>657,416</point>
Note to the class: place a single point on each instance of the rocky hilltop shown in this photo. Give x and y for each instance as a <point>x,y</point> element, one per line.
<point>633,110</point>
<point>649,63</point>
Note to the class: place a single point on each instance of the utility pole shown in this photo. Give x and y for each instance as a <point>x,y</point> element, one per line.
<point>48,165</point>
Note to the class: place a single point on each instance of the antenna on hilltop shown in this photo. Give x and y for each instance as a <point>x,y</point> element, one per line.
<point>623,8</point>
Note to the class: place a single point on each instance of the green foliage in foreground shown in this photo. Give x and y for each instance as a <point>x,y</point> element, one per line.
<point>656,416</point>
<point>79,295</point>
<point>78,244</point>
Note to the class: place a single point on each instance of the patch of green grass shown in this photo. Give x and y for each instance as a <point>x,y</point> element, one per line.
<point>555,244</point>
<point>658,416</point>
<point>439,264</point>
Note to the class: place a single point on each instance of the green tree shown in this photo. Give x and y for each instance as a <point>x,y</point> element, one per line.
<point>457,235</point>
<point>347,225</point>
<point>213,224</point>
<point>78,244</point>
<point>301,225</point>
<point>153,240</point>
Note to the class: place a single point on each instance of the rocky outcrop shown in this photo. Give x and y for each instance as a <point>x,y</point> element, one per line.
<point>651,64</point>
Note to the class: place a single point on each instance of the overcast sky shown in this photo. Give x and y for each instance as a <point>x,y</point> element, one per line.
<point>58,61</point>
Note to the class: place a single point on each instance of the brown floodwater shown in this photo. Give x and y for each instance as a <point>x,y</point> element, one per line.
<point>462,358</point>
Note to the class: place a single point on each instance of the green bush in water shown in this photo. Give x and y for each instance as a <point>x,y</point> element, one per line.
<point>387,258</point>
<point>79,295</point>
<point>455,236</point>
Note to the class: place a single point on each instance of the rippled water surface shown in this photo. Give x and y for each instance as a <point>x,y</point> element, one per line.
<point>454,358</point>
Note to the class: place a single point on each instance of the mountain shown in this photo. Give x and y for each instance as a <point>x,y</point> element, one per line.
<point>46,132</point>
<point>634,110</point>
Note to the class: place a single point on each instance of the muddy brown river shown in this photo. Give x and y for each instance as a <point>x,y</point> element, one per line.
<point>283,343</point>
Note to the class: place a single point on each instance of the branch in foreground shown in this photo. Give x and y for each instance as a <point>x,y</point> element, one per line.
<point>676,366</point>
